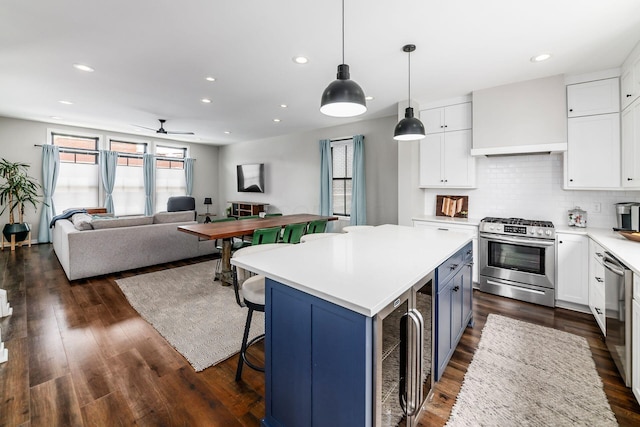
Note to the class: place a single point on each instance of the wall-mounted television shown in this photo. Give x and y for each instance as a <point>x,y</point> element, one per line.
<point>251,178</point>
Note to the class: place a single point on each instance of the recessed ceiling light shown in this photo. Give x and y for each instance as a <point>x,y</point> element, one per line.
<point>206,100</point>
<point>83,67</point>
<point>65,102</point>
<point>369,98</point>
<point>541,57</point>
<point>227,132</point>
<point>299,59</point>
<point>276,120</point>
<point>210,79</point>
<point>283,105</point>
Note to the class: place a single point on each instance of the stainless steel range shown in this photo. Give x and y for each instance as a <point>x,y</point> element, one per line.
<point>517,259</point>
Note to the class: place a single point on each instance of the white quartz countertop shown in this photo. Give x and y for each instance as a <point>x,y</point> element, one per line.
<point>448,220</point>
<point>362,271</point>
<point>625,250</point>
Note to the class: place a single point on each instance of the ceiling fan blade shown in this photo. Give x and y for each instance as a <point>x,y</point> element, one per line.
<point>144,127</point>
<point>180,133</point>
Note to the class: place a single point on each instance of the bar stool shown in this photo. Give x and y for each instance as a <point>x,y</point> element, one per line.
<point>253,297</point>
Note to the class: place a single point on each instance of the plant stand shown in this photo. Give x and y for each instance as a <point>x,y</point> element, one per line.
<point>13,242</point>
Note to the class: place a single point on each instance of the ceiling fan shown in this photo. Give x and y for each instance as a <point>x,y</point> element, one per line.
<point>165,132</point>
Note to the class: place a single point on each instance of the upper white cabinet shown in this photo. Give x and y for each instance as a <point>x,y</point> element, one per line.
<point>447,119</point>
<point>630,78</point>
<point>597,97</point>
<point>573,252</point>
<point>445,159</point>
<point>593,153</point>
<point>631,146</point>
<point>592,160</point>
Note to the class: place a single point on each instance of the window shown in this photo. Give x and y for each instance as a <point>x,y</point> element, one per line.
<point>128,191</point>
<point>78,178</point>
<point>342,163</point>
<point>170,178</point>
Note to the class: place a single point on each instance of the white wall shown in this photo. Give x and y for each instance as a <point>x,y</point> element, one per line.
<point>17,139</point>
<point>292,168</point>
<point>531,187</point>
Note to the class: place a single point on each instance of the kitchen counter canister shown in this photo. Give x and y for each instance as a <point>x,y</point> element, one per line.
<point>363,271</point>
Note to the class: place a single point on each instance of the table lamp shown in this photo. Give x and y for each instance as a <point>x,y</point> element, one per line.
<point>207,202</point>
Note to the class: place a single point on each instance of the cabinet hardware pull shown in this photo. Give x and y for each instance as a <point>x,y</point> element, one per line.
<point>629,179</point>
<point>599,254</point>
<point>570,109</point>
<point>629,95</point>
<point>443,229</point>
<point>570,180</point>
<point>446,180</point>
<point>559,241</point>
<point>599,280</point>
<point>453,266</point>
<point>456,288</point>
<point>598,310</point>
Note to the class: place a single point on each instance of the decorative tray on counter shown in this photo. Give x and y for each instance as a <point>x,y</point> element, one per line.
<point>631,235</point>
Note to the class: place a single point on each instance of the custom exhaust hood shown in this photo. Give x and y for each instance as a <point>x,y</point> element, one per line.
<point>520,118</point>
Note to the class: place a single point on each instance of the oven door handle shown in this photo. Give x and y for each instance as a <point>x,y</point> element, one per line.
<point>528,242</point>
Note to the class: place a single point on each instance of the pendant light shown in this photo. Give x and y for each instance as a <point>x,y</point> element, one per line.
<point>409,128</point>
<point>343,97</point>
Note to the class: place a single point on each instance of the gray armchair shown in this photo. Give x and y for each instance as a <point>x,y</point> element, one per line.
<point>181,203</point>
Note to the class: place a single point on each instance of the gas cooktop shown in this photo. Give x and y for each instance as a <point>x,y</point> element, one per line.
<point>518,227</point>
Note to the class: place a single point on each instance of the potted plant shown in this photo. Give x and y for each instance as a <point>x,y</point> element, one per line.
<point>17,190</point>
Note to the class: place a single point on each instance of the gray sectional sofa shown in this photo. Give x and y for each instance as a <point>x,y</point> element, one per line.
<point>92,245</point>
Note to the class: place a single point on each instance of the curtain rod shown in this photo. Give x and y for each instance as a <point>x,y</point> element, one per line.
<point>128,155</point>
<point>343,138</point>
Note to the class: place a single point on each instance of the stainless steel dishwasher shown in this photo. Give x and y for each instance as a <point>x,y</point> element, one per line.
<point>618,294</point>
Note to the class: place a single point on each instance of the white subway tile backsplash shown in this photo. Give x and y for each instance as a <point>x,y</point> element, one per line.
<point>531,187</point>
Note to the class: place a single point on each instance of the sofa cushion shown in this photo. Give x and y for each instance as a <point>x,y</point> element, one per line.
<point>82,221</point>
<point>102,223</point>
<point>167,217</point>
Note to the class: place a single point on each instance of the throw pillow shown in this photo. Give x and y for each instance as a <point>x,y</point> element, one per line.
<point>82,221</point>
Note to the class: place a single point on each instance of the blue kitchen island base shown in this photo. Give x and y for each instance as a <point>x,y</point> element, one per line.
<point>318,361</point>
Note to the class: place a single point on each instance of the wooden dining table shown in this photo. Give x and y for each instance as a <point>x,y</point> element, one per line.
<point>227,230</point>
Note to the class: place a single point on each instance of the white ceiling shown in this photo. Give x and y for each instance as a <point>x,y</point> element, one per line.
<point>151,57</point>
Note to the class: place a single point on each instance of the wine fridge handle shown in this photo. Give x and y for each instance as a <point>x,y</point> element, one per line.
<point>416,379</point>
<point>402,386</point>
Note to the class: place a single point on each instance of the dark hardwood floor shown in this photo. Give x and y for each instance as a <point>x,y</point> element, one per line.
<point>80,355</point>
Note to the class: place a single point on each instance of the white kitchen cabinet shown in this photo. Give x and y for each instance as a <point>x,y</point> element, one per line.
<point>471,229</point>
<point>591,98</point>
<point>449,118</point>
<point>635,338</point>
<point>596,284</point>
<point>572,268</point>
<point>631,146</point>
<point>630,78</point>
<point>592,160</point>
<point>445,160</point>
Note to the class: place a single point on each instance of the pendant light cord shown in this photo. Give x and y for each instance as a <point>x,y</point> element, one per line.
<point>409,101</point>
<point>343,31</point>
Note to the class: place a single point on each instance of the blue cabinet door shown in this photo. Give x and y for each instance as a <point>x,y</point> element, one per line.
<point>318,361</point>
<point>453,306</point>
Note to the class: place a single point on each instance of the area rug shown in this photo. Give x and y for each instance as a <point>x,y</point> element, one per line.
<point>195,314</point>
<point>529,375</point>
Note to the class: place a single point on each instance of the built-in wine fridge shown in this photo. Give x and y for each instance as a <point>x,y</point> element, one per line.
<point>404,354</point>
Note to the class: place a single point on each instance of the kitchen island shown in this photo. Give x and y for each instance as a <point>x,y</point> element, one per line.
<point>322,299</point>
